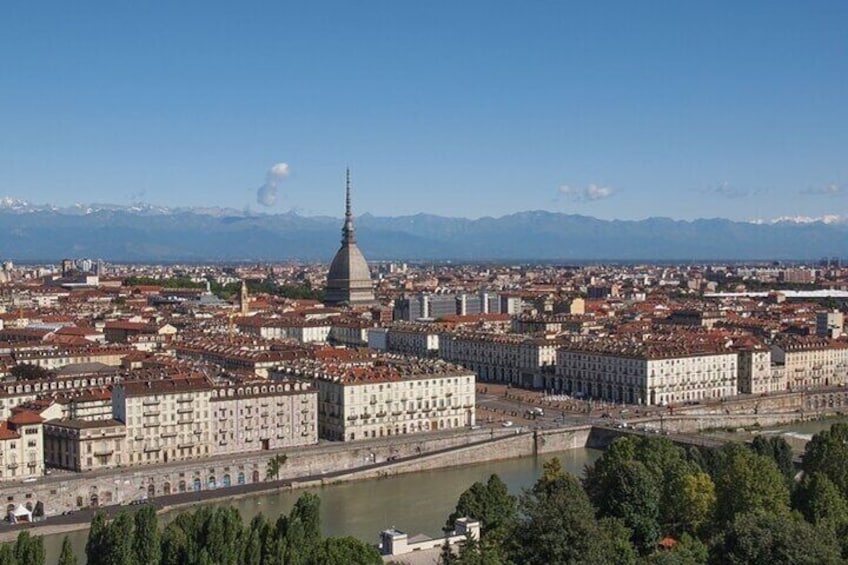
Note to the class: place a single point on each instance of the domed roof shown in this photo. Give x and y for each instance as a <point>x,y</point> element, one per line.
<point>349,265</point>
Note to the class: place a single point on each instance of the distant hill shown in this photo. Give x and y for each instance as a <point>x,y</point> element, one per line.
<point>149,233</point>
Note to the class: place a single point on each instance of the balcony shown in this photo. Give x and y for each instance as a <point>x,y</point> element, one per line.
<point>183,421</point>
<point>151,424</point>
<point>169,434</point>
<point>185,410</point>
<point>104,452</point>
<point>183,400</point>
<point>150,402</point>
<point>186,445</point>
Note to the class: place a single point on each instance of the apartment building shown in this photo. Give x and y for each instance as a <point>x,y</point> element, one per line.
<point>503,358</point>
<point>642,373</point>
<point>56,358</point>
<point>263,416</point>
<point>294,327</point>
<point>386,397</point>
<point>22,446</point>
<point>85,445</point>
<point>166,420</point>
<point>811,361</point>
<point>419,340</point>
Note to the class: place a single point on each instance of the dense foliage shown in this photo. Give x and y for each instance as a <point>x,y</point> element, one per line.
<point>208,536</point>
<point>648,501</point>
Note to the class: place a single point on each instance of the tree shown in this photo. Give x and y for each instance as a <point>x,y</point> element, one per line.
<point>251,553</point>
<point>7,554</point>
<point>747,482</point>
<point>622,486</point>
<point>774,539</point>
<point>275,464</point>
<point>687,551</point>
<point>490,504</point>
<point>67,556</point>
<point>819,501</point>
<point>693,505</point>
<point>95,545</point>
<point>827,453</point>
<point>615,546</point>
<point>27,372</point>
<point>307,512</point>
<point>146,546</point>
<point>346,551</point>
<point>778,450</point>
<point>29,550</point>
<point>558,524</point>
<point>118,541</point>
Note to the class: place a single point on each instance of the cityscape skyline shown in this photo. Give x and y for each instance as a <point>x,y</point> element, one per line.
<point>709,111</point>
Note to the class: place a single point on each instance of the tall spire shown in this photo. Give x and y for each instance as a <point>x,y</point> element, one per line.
<point>348,235</point>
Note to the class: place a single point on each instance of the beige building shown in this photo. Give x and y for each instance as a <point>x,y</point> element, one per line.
<point>84,445</point>
<point>264,416</point>
<point>388,397</point>
<point>56,358</point>
<point>811,361</point>
<point>22,446</point>
<point>756,372</point>
<point>503,358</point>
<point>166,420</point>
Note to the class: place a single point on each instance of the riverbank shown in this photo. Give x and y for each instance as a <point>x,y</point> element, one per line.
<point>488,446</point>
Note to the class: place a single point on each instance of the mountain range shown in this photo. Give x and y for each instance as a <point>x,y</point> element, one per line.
<point>148,233</point>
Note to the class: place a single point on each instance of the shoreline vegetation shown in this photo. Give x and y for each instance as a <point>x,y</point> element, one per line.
<point>644,501</point>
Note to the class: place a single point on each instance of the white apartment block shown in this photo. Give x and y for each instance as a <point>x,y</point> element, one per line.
<point>412,339</point>
<point>811,361</point>
<point>264,416</point>
<point>639,374</point>
<point>302,330</point>
<point>503,358</point>
<point>378,399</point>
<point>351,334</point>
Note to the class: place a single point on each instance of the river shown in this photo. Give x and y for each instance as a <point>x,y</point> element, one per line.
<point>414,502</point>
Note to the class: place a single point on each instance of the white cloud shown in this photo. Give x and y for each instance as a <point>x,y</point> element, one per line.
<point>586,194</point>
<point>266,195</point>
<point>832,189</point>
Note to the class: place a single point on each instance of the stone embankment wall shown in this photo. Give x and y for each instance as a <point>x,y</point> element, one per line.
<point>522,444</point>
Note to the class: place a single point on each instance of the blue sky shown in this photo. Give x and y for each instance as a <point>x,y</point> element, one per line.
<point>611,109</point>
